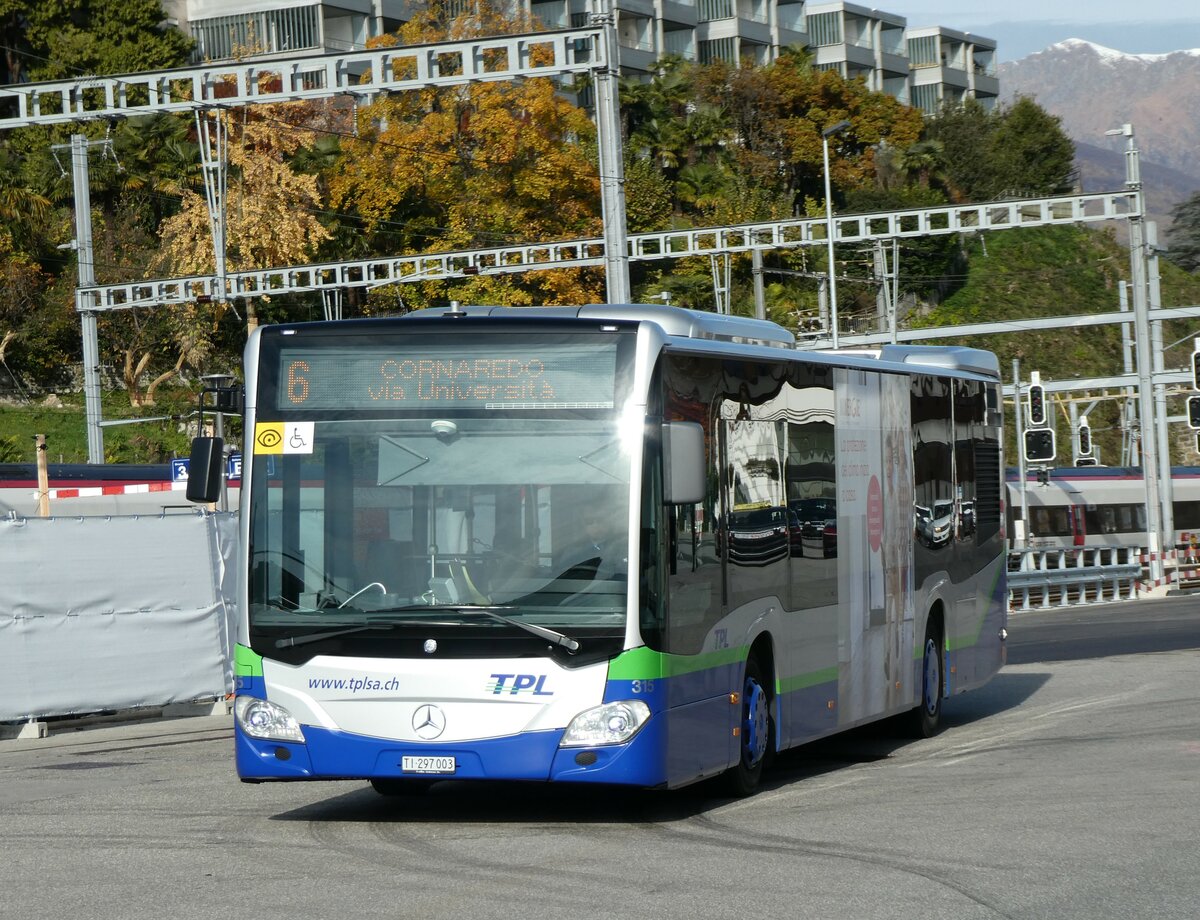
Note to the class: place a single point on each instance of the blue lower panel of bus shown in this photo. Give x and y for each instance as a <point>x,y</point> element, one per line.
<point>534,756</point>
<point>805,713</point>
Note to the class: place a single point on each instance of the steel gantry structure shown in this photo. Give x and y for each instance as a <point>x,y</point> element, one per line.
<point>654,246</point>
<point>361,74</point>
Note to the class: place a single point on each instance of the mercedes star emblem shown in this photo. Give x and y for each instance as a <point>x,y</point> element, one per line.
<point>428,722</point>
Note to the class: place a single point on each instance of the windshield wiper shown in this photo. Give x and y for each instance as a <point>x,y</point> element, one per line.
<point>571,645</point>
<point>317,637</point>
<point>541,632</point>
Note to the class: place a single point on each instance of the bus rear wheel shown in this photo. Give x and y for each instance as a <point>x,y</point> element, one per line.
<point>756,732</point>
<point>926,719</point>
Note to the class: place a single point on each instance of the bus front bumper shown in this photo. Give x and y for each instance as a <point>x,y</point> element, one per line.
<point>532,756</point>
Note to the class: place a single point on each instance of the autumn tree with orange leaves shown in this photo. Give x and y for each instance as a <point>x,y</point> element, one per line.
<point>270,210</point>
<point>470,167</point>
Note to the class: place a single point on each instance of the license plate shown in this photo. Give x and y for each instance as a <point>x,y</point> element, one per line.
<point>412,764</point>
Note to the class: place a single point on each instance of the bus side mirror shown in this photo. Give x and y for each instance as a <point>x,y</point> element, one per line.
<point>205,468</point>
<point>683,463</point>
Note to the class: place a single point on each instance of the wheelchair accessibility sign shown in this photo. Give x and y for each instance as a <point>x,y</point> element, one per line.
<point>283,437</point>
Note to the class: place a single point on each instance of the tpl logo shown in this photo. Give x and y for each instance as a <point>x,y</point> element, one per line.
<point>520,683</point>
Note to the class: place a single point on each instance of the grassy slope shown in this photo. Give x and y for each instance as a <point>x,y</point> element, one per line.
<point>1063,271</point>
<point>66,433</point>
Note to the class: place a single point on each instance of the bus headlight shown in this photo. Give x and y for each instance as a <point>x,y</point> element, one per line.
<point>612,723</point>
<point>263,719</point>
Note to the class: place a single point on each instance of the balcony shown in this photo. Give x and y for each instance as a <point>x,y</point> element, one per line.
<point>790,17</point>
<point>553,15</point>
<point>749,10</point>
<point>680,42</point>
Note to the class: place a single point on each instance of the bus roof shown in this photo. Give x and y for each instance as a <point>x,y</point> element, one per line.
<point>674,321</point>
<point>697,324</point>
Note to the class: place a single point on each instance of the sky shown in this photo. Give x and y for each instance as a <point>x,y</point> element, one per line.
<point>1022,27</point>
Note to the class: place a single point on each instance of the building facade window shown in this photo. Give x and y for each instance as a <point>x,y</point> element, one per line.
<point>925,98</point>
<point>825,29</point>
<point>923,51</point>
<point>267,32</point>
<point>718,49</point>
<point>708,10</point>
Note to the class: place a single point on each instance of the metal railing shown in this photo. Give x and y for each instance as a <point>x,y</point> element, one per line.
<point>1040,579</point>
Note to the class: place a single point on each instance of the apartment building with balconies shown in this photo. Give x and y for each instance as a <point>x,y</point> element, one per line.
<point>224,29</point>
<point>860,42</point>
<point>924,67</point>
<point>947,66</point>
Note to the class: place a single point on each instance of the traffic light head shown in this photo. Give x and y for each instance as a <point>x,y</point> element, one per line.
<point>1085,440</point>
<point>1196,369</point>
<point>1037,405</point>
<point>1039,445</point>
<point>1194,411</point>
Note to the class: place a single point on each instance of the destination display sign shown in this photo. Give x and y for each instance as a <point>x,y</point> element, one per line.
<point>499,375</point>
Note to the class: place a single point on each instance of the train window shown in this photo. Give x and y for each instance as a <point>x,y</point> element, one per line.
<point>1130,518</point>
<point>1050,521</point>
<point>1187,515</point>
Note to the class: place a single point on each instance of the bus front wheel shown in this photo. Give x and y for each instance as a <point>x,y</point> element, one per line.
<point>756,732</point>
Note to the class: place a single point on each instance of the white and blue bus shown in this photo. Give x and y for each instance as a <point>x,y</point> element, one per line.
<point>608,544</point>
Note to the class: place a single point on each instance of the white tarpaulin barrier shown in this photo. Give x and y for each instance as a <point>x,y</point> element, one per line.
<point>114,613</point>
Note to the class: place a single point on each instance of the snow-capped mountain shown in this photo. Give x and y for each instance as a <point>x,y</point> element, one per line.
<point>1095,89</point>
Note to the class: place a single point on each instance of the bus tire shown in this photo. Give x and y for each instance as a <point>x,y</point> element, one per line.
<point>756,732</point>
<point>926,719</point>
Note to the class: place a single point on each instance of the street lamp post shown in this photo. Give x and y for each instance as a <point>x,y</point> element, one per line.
<point>833,315</point>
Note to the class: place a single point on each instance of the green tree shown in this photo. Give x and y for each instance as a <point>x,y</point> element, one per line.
<point>58,39</point>
<point>1017,151</point>
<point>1031,152</point>
<point>964,132</point>
<point>1184,237</point>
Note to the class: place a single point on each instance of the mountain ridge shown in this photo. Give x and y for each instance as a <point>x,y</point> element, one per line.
<point>1095,89</point>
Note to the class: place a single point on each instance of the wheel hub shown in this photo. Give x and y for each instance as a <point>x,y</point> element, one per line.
<point>756,723</point>
<point>932,677</point>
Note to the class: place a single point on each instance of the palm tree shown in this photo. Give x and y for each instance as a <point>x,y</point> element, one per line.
<point>925,158</point>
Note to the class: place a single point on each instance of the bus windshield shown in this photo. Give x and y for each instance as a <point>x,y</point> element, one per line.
<point>408,521</point>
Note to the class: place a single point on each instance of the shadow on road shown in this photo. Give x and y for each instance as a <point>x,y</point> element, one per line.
<point>451,801</point>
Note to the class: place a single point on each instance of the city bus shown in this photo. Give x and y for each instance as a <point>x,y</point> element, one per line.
<point>564,545</point>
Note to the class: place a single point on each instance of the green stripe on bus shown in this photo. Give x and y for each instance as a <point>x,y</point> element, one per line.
<point>246,662</point>
<point>644,664</point>
<point>968,642</point>
<point>954,644</point>
<point>804,681</point>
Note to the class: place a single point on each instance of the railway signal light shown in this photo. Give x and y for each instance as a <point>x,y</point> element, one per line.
<point>1039,444</point>
<point>1196,369</point>
<point>1085,437</point>
<point>1194,411</point>
<point>1037,405</point>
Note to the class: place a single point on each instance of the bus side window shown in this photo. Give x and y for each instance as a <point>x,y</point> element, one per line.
<point>695,585</point>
